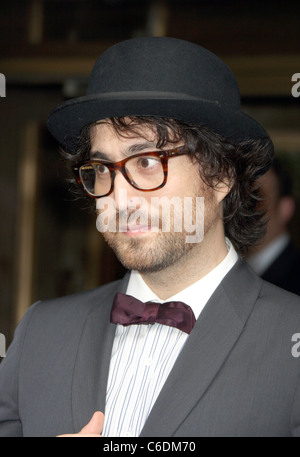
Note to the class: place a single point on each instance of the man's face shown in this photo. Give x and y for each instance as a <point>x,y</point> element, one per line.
<point>279,209</point>
<point>140,239</point>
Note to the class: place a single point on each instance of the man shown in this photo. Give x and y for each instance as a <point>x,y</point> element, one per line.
<point>161,121</point>
<point>276,259</point>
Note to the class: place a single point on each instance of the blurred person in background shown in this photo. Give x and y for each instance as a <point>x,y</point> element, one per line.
<point>276,259</point>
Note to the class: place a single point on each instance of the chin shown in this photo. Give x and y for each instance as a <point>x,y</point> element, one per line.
<point>148,257</point>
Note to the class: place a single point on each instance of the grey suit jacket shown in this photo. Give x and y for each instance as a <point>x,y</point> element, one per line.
<point>236,375</point>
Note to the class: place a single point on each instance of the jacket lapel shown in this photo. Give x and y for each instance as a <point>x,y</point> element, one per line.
<point>93,356</point>
<point>211,340</point>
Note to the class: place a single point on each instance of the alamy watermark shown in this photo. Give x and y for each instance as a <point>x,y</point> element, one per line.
<point>296,347</point>
<point>2,85</point>
<point>2,345</point>
<point>296,87</point>
<point>163,214</point>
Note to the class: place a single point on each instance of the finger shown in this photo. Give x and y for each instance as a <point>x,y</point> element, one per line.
<point>95,425</point>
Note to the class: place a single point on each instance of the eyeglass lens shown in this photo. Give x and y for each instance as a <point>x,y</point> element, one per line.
<point>145,172</point>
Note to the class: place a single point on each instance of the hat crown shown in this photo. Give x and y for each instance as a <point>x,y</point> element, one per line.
<point>158,76</point>
<point>164,65</point>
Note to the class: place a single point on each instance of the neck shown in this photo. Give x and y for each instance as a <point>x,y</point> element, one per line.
<point>197,263</point>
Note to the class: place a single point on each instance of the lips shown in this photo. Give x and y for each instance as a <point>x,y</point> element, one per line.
<point>138,228</point>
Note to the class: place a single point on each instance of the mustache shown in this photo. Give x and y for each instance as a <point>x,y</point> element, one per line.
<point>138,217</point>
<point>120,220</point>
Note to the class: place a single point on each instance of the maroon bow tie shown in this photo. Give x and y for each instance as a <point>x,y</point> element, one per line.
<point>127,310</point>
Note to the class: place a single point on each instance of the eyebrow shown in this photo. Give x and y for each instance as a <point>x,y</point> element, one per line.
<point>133,149</point>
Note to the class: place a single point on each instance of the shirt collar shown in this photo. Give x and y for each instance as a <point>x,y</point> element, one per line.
<point>264,258</point>
<point>195,295</point>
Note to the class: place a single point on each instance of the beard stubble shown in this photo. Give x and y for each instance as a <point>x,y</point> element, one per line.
<point>153,252</point>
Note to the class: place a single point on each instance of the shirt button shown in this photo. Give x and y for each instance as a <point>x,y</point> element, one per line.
<point>148,361</point>
<point>128,434</point>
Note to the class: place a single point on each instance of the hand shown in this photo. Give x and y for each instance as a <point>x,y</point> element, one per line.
<point>92,429</point>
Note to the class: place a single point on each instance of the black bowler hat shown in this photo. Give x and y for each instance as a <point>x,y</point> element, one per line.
<point>159,76</point>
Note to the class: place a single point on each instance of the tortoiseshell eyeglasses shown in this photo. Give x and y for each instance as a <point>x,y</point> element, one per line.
<point>146,171</point>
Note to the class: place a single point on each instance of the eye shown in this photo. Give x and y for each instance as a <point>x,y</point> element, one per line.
<point>147,162</point>
<point>100,169</point>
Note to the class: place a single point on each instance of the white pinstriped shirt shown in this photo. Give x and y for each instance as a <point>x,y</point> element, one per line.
<point>143,355</point>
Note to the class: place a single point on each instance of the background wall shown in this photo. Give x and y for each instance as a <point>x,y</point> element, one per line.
<point>49,242</point>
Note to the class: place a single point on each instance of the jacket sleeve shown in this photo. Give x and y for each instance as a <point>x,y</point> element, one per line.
<point>10,421</point>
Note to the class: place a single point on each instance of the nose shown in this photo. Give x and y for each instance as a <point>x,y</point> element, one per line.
<point>125,195</point>
<point>123,191</point>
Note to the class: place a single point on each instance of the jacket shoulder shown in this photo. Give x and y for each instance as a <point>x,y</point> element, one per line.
<point>279,298</point>
<point>67,314</point>
<point>80,302</point>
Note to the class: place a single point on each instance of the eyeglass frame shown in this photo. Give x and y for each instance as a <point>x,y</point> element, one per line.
<point>163,155</point>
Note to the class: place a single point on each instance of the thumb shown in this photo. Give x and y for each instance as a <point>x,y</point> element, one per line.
<point>95,425</point>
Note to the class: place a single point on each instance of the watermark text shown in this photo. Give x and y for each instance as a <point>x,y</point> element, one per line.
<point>2,345</point>
<point>2,85</point>
<point>296,87</point>
<point>296,347</point>
<point>160,214</point>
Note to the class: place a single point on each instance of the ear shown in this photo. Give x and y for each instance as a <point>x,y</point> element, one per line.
<point>286,209</point>
<point>222,189</point>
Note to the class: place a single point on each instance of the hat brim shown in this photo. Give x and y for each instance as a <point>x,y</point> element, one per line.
<point>66,120</point>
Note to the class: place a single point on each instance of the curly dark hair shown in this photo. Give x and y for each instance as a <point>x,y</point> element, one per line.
<point>218,158</point>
